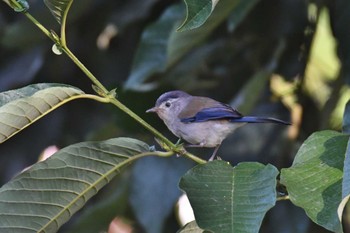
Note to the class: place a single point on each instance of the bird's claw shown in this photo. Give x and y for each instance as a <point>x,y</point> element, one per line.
<point>179,148</point>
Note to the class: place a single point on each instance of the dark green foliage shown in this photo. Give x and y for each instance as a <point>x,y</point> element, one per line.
<point>287,58</point>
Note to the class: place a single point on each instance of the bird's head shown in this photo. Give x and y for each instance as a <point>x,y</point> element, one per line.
<point>170,104</point>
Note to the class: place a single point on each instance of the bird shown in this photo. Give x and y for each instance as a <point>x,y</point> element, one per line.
<point>202,121</point>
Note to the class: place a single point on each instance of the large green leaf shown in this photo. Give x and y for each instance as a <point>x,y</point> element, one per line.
<point>97,217</point>
<point>314,182</point>
<point>21,107</point>
<point>162,46</point>
<point>59,8</point>
<point>45,196</point>
<point>226,199</point>
<point>151,56</point>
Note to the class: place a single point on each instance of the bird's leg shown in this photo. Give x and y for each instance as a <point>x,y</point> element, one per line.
<point>202,145</point>
<point>214,153</point>
<point>191,145</point>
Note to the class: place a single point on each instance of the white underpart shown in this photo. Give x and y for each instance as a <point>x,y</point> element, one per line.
<point>206,134</point>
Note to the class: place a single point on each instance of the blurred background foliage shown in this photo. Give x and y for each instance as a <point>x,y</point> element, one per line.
<point>284,58</point>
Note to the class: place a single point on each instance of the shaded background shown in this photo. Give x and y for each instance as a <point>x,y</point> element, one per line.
<point>283,58</point>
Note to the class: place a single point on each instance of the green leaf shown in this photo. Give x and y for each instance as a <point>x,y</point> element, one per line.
<point>197,13</point>
<point>97,217</point>
<point>314,182</point>
<point>191,227</point>
<point>45,196</point>
<point>59,8</point>
<point>180,43</point>
<point>162,47</point>
<point>22,107</point>
<point>151,55</point>
<point>226,199</point>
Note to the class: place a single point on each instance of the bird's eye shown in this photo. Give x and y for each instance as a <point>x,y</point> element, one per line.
<point>167,104</point>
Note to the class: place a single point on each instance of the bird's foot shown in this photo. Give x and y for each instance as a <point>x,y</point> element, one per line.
<point>212,157</point>
<point>179,148</point>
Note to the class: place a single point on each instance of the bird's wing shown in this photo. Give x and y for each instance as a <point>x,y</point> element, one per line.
<point>205,109</point>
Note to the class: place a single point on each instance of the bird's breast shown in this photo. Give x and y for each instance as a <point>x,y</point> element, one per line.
<point>208,134</point>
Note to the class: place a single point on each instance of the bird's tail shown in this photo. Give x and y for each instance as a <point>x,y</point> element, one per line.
<point>253,119</point>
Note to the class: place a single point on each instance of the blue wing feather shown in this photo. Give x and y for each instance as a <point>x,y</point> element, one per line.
<point>230,114</point>
<point>204,109</point>
<point>216,113</point>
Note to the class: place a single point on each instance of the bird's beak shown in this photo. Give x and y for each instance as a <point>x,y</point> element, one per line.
<point>154,109</point>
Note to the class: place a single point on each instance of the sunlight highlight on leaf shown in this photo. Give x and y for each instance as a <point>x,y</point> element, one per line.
<point>314,181</point>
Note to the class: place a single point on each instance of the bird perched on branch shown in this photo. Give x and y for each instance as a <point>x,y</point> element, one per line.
<point>202,121</point>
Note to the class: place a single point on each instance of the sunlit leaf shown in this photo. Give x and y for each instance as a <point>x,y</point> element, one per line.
<point>46,195</point>
<point>227,199</point>
<point>314,182</point>
<point>323,65</point>
<point>59,8</point>
<point>22,107</point>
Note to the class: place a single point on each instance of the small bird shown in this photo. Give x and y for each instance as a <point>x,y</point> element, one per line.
<point>202,121</point>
